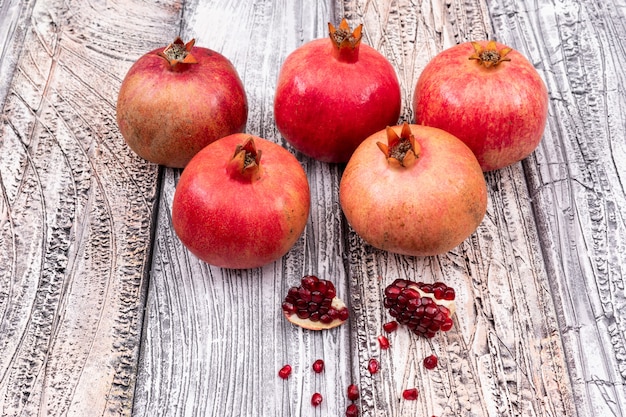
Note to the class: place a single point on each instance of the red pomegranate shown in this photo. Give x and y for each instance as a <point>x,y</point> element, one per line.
<point>332,93</point>
<point>489,96</point>
<point>421,193</point>
<point>176,100</point>
<point>241,202</point>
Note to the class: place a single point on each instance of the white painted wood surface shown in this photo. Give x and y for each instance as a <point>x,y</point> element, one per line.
<point>103,312</point>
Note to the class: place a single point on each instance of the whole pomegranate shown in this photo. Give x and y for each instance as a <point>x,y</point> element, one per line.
<point>413,190</point>
<point>333,93</point>
<point>176,100</point>
<point>241,202</point>
<point>489,96</point>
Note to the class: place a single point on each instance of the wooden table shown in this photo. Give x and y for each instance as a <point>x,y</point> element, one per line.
<point>103,312</point>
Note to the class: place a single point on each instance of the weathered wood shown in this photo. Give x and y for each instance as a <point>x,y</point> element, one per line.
<point>215,339</point>
<point>503,357</point>
<point>75,208</point>
<point>576,182</point>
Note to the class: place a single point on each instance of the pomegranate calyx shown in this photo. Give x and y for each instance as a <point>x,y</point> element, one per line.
<point>489,56</point>
<point>345,41</point>
<point>246,162</point>
<point>400,150</point>
<point>179,52</point>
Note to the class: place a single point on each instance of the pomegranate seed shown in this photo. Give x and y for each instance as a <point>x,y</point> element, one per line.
<point>316,399</point>
<point>285,371</point>
<point>391,326</point>
<point>352,411</point>
<point>318,366</point>
<point>353,392</point>
<point>430,362</point>
<point>410,394</point>
<point>373,366</point>
<point>383,342</point>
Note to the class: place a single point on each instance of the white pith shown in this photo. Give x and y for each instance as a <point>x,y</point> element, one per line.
<point>449,304</point>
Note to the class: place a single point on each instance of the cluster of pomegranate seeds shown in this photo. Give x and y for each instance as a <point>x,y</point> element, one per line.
<point>285,371</point>
<point>430,362</point>
<point>318,366</point>
<point>314,305</point>
<point>424,308</point>
<point>316,399</point>
<point>410,394</point>
<point>383,342</point>
<point>352,411</point>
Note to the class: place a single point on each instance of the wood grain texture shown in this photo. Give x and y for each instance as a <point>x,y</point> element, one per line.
<point>576,181</point>
<point>75,209</point>
<point>214,338</point>
<point>504,355</point>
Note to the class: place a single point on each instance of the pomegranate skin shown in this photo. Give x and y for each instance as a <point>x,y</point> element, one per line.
<point>167,114</point>
<point>325,105</point>
<point>499,111</point>
<point>232,222</point>
<point>425,209</point>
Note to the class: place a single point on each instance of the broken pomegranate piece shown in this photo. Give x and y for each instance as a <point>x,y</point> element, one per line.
<point>423,308</point>
<point>313,305</point>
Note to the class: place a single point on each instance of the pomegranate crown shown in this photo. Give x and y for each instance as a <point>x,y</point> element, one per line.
<point>343,37</point>
<point>246,162</point>
<point>489,55</point>
<point>179,52</point>
<point>400,150</point>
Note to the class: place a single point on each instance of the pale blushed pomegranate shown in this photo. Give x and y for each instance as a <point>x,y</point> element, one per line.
<point>241,202</point>
<point>489,96</point>
<point>413,190</point>
<point>332,93</point>
<point>176,100</point>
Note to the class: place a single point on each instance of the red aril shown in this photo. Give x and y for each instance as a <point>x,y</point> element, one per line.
<point>489,96</point>
<point>390,326</point>
<point>332,93</point>
<point>352,411</point>
<point>318,366</point>
<point>241,202</point>
<point>316,399</point>
<point>353,392</point>
<point>410,394</point>
<point>413,190</point>
<point>176,100</point>
<point>284,372</point>
<point>373,366</point>
<point>430,362</point>
<point>383,342</point>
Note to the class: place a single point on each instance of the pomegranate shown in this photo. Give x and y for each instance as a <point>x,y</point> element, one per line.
<point>421,193</point>
<point>332,93</point>
<point>235,209</point>
<point>176,100</point>
<point>353,392</point>
<point>318,366</point>
<point>285,371</point>
<point>489,96</point>
<point>410,394</point>
<point>313,305</point>
<point>420,307</point>
<point>430,362</point>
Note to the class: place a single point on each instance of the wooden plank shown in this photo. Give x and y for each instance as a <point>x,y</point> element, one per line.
<point>76,208</point>
<point>504,355</point>
<point>215,339</point>
<point>576,182</point>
